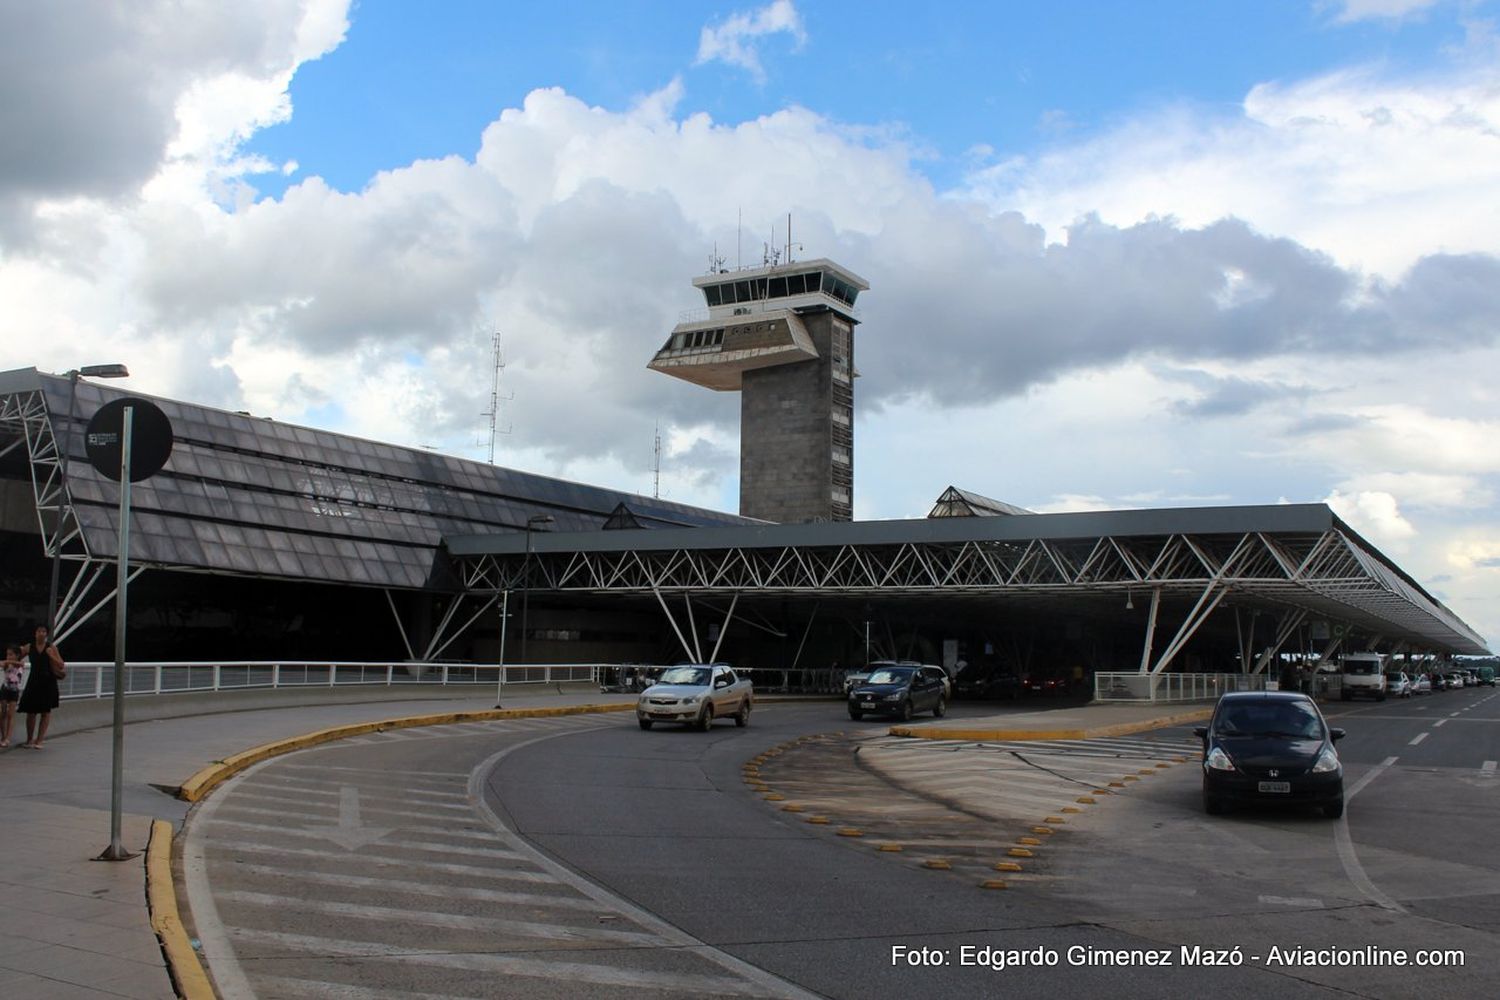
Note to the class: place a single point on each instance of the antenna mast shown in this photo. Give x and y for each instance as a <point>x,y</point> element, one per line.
<point>495,398</point>
<point>656,466</point>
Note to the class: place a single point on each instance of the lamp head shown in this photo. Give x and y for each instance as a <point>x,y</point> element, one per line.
<point>104,371</point>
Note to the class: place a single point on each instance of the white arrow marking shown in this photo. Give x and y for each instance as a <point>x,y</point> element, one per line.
<point>349,834</point>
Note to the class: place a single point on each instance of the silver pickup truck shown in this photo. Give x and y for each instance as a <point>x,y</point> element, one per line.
<point>696,694</point>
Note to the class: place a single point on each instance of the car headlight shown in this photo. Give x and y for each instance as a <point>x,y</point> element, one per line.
<point>1327,761</point>
<point>1218,760</point>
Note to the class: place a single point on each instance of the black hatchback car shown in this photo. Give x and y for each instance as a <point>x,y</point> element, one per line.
<point>1265,747</point>
<point>900,691</point>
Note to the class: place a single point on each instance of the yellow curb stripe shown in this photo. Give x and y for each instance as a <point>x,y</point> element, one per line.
<point>161,902</point>
<point>216,773</point>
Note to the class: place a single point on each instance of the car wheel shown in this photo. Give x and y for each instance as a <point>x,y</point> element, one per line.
<point>706,720</point>
<point>856,714</point>
<point>1334,810</point>
<point>742,717</point>
<point>645,723</point>
<point>906,710</point>
<point>940,709</point>
<point>1380,697</point>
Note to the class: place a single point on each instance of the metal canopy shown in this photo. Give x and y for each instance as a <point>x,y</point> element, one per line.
<point>1286,557</point>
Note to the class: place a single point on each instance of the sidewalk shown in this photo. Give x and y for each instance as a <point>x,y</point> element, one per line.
<point>79,928</point>
<point>1079,722</point>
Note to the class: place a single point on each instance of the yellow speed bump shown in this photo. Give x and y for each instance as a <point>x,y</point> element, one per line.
<point>1116,784</point>
<point>1020,852</point>
<point>1085,800</point>
<point>818,820</point>
<point>938,864</point>
<point>890,848</point>
<point>1043,831</point>
<point>1007,866</point>
<point>792,807</point>
<point>849,831</point>
<point>774,797</point>
<point>992,883</point>
<point>1055,820</point>
<point>1163,765</point>
<point>1029,841</point>
<point>1070,810</point>
<point>1148,770</point>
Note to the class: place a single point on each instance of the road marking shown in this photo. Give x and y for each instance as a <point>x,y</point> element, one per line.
<point>576,972</point>
<point>1305,903</point>
<point>1418,739</point>
<point>456,921</point>
<point>341,991</point>
<point>405,859</point>
<point>1453,715</point>
<point>441,891</point>
<point>1438,723</point>
<point>1345,843</point>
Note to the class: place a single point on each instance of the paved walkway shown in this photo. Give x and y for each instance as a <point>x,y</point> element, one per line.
<point>74,927</point>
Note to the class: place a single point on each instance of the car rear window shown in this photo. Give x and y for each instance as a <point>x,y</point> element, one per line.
<point>1361,668</point>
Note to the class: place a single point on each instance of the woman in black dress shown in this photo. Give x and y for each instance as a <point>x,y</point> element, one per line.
<point>40,696</point>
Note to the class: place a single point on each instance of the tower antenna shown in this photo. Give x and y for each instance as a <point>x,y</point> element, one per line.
<point>656,466</point>
<point>493,413</point>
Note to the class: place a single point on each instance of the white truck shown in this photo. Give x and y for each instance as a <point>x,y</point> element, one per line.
<point>696,694</point>
<point>1363,674</point>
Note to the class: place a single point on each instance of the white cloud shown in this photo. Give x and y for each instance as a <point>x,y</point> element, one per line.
<point>1349,11</point>
<point>736,41</point>
<point>1372,169</point>
<point>1376,515</point>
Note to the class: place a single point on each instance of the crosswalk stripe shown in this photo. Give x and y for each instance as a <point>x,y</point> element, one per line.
<point>319,990</point>
<point>407,862</point>
<point>576,972</point>
<point>456,921</point>
<point>423,889</point>
<point>485,837</point>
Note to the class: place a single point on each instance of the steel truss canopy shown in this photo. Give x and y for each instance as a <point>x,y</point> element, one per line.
<point>1294,559</point>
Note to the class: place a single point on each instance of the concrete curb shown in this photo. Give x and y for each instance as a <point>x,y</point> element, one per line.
<point>996,735</point>
<point>183,965</point>
<point>199,785</point>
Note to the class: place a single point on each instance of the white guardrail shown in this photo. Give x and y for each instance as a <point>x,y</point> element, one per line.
<point>97,680</point>
<point>1138,687</point>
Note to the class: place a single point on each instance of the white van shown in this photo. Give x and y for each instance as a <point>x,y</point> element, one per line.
<point>1363,674</point>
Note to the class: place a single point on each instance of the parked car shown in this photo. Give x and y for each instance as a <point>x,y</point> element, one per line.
<point>1421,684</point>
<point>1453,679</point>
<point>1044,684</point>
<point>1397,684</point>
<point>986,681</point>
<point>1270,747</point>
<point>696,694</point>
<point>902,691</point>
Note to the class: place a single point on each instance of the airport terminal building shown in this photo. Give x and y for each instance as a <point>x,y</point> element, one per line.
<point>261,540</point>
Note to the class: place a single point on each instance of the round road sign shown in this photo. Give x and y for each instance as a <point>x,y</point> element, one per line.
<point>150,438</point>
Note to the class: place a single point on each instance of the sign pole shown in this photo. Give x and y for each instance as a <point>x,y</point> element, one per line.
<point>504,620</point>
<point>116,850</point>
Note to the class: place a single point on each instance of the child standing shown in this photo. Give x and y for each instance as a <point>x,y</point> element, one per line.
<point>10,692</point>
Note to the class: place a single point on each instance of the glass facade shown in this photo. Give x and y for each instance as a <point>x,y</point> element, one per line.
<point>253,496</point>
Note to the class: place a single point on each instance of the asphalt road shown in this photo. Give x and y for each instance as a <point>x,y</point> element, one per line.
<point>584,857</point>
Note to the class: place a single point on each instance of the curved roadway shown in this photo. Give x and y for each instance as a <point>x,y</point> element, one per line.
<point>584,857</point>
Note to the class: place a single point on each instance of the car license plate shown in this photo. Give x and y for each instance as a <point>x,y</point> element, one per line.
<point>867,704</point>
<point>1281,787</point>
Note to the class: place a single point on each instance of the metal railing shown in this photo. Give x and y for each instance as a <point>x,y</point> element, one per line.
<point>97,680</point>
<point>1171,687</point>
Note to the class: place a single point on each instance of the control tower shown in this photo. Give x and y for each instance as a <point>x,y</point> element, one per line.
<point>783,336</point>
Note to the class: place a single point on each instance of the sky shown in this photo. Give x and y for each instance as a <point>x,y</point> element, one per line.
<point>1120,255</point>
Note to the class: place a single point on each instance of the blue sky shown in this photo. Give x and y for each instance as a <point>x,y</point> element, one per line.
<point>1120,254</point>
<point>413,80</point>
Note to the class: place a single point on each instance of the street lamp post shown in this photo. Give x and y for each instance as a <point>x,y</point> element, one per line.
<point>531,522</point>
<point>65,501</point>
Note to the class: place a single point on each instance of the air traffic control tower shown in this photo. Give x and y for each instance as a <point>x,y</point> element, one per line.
<point>783,336</point>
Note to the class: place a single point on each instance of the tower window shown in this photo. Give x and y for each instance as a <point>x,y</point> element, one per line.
<point>712,294</point>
